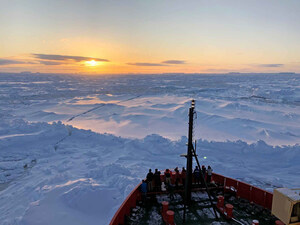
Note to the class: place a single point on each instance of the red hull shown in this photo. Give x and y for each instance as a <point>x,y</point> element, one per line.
<point>243,190</point>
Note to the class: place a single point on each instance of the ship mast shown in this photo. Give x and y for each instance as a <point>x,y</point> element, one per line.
<point>189,166</point>
<point>189,160</point>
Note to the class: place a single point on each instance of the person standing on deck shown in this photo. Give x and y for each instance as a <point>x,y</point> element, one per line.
<point>149,180</point>
<point>183,176</point>
<point>204,172</point>
<point>197,175</point>
<point>177,177</point>
<point>143,189</point>
<point>157,181</point>
<point>209,173</point>
<point>167,177</point>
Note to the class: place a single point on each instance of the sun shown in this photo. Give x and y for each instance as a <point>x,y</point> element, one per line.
<point>91,63</point>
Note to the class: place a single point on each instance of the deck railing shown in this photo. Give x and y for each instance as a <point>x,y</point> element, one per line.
<point>242,189</point>
<point>246,191</point>
<point>127,205</point>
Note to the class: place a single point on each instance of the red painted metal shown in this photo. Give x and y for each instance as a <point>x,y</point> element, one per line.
<point>246,191</point>
<point>243,190</point>
<point>279,222</point>
<point>127,205</point>
<point>165,207</point>
<point>229,211</point>
<point>219,179</point>
<point>259,196</point>
<point>269,198</point>
<point>173,177</point>
<point>220,203</point>
<point>170,217</point>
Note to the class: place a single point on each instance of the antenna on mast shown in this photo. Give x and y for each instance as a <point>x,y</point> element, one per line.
<point>191,152</point>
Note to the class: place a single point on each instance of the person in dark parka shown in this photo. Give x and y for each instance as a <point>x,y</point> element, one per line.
<point>204,171</point>
<point>143,189</point>
<point>177,177</point>
<point>157,181</point>
<point>183,176</point>
<point>149,179</point>
<point>167,177</point>
<point>197,175</point>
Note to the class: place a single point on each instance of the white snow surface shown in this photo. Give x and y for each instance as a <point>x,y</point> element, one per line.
<point>73,147</point>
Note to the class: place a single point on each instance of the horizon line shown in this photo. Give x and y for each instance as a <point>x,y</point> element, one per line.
<point>116,74</point>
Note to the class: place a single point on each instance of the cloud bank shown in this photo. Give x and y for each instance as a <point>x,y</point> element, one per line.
<point>271,65</point>
<point>50,63</point>
<point>67,57</point>
<point>10,62</point>
<point>173,62</point>
<point>163,63</point>
<point>146,64</point>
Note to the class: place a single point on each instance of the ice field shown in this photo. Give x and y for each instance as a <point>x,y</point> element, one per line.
<point>73,147</point>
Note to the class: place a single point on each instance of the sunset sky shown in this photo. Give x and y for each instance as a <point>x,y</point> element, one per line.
<point>155,36</point>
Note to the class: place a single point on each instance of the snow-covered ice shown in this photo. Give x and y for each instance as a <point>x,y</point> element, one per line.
<point>73,147</point>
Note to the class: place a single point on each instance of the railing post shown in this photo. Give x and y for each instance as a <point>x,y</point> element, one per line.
<point>251,201</point>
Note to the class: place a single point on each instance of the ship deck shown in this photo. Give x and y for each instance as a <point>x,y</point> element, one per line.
<point>249,203</point>
<point>199,212</point>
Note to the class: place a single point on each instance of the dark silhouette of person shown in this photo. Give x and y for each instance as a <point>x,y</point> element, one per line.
<point>203,179</point>
<point>157,181</point>
<point>177,177</point>
<point>183,176</point>
<point>167,176</point>
<point>204,171</point>
<point>149,179</point>
<point>143,189</point>
<point>197,175</point>
<point>209,173</point>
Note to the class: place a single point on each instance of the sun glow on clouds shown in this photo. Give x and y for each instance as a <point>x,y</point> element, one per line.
<point>92,63</point>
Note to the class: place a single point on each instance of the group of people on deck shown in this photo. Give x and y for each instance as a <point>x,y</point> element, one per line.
<point>207,173</point>
<point>153,181</point>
